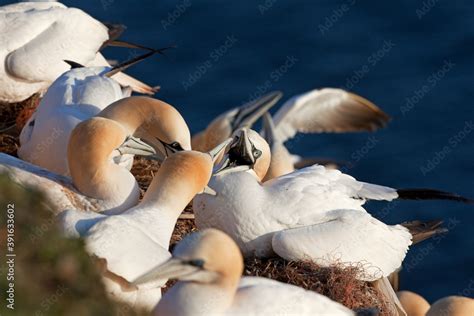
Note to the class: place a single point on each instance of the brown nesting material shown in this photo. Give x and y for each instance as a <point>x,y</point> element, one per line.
<point>9,144</point>
<point>13,116</point>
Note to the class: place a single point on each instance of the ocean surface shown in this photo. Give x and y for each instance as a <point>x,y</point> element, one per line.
<point>414,59</point>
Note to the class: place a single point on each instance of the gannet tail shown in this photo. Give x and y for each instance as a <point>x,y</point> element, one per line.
<point>424,230</point>
<point>430,194</point>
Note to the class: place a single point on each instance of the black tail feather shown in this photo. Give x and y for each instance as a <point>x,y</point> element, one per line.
<point>430,194</point>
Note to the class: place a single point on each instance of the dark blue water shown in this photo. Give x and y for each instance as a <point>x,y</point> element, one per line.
<point>412,59</point>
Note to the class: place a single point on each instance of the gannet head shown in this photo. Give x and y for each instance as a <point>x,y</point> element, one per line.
<point>154,121</point>
<point>91,146</point>
<point>452,305</point>
<point>413,303</point>
<point>248,151</point>
<point>208,257</point>
<point>246,115</point>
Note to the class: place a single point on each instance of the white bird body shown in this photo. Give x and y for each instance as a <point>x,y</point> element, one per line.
<point>313,213</point>
<point>251,212</point>
<point>59,190</point>
<point>134,241</point>
<point>75,96</point>
<point>254,296</point>
<point>208,266</point>
<point>37,37</point>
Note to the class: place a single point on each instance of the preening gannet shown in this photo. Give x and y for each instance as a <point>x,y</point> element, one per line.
<point>223,126</point>
<point>208,266</point>
<point>306,214</point>
<point>97,184</point>
<point>37,36</point>
<point>317,111</point>
<point>131,243</point>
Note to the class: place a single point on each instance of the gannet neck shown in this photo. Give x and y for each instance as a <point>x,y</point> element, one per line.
<point>150,119</point>
<point>281,162</point>
<point>92,171</point>
<point>263,162</point>
<point>179,179</point>
<point>217,131</point>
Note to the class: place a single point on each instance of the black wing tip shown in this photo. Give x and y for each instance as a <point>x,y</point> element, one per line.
<point>431,194</point>
<point>73,64</point>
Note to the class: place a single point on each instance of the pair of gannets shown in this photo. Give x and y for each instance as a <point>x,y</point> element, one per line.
<point>37,36</point>
<point>209,265</point>
<point>75,96</point>
<point>313,213</point>
<point>97,183</point>
<point>131,243</point>
<point>317,111</point>
<point>416,305</point>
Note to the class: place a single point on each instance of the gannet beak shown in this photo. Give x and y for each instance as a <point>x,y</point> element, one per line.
<point>174,268</point>
<point>249,113</point>
<point>122,66</point>
<point>242,149</point>
<point>240,155</point>
<point>135,146</point>
<point>268,129</point>
<point>216,152</point>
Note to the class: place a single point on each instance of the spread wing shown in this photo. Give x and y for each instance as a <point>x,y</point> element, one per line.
<point>327,110</point>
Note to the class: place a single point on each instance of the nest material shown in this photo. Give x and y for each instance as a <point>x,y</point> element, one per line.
<point>337,282</point>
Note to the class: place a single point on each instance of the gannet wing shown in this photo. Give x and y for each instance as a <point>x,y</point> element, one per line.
<point>58,190</point>
<point>309,192</point>
<point>327,110</point>
<point>347,237</point>
<point>256,296</point>
<point>56,35</point>
<point>75,223</point>
<point>31,5</point>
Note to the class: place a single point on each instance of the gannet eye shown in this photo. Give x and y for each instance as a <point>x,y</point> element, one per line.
<point>257,153</point>
<point>196,263</point>
<point>176,146</point>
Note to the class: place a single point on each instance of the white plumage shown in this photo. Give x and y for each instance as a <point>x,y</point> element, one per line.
<point>298,208</point>
<point>37,37</point>
<point>75,96</point>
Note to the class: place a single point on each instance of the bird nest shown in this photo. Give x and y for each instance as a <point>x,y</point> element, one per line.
<point>337,282</point>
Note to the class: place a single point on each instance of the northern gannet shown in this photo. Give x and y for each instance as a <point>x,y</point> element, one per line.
<point>97,183</point>
<point>312,213</point>
<point>133,242</point>
<point>452,306</point>
<point>317,111</point>
<point>208,266</point>
<point>414,304</point>
<point>37,36</point>
<point>76,96</point>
